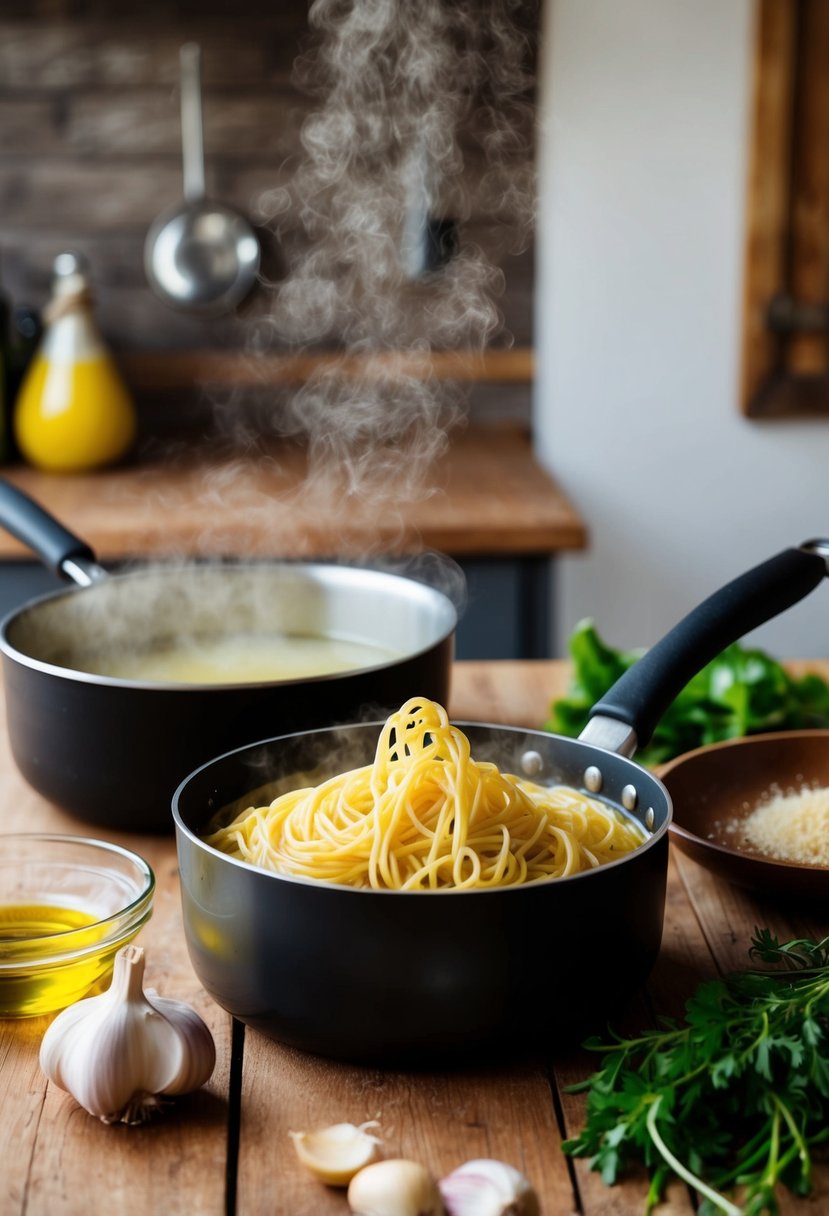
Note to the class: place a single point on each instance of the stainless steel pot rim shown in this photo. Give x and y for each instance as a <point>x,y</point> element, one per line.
<point>414,587</point>
<point>88,677</point>
<point>479,892</point>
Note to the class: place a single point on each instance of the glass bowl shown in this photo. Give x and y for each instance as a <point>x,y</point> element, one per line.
<point>67,905</point>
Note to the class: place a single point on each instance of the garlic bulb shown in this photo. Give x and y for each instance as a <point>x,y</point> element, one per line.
<point>119,1053</point>
<point>488,1188</point>
<point>335,1154</point>
<point>394,1188</point>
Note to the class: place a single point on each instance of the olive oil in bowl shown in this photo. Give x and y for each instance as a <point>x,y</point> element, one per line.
<point>38,937</point>
<point>40,921</point>
<point>67,905</point>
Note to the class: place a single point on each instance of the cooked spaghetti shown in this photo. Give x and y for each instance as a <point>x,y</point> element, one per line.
<point>426,816</point>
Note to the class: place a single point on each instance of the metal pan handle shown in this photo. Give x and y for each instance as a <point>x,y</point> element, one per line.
<point>627,714</point>
<point>192,135</point>
<point>59,549</point>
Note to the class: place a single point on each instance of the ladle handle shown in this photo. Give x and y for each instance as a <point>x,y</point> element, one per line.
<point>58,548</point>
<point>642,695</point>
<point>192,136</point>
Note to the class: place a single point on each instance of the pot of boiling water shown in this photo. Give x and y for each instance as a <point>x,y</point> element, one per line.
<point>120,685</point>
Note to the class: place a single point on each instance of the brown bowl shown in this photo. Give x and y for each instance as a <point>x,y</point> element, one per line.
<point>723,783</point>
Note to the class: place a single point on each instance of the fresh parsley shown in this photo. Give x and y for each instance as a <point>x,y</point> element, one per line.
<point>732,1099</point>
<point>741,692</point>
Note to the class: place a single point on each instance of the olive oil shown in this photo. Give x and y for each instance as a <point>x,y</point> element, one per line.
<point>38,921</point>
<point>73,411</point>
<point>39,969</point>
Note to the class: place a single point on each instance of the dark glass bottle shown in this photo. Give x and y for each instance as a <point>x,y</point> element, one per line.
<point>25,331</point>
<point>5,386</point>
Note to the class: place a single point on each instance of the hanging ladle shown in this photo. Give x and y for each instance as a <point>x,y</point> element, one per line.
<point>200,255</point>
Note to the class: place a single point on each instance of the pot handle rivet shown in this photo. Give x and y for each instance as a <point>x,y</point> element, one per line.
<point>531,763</point>
<point>593,779</point>
<point>649,818</point>
<point>629,798</point>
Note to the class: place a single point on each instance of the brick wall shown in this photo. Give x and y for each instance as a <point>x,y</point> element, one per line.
<point>90,151</point>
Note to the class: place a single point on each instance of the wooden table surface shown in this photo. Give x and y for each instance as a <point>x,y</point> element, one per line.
<point>227,1149</point>
<point>485,494</point>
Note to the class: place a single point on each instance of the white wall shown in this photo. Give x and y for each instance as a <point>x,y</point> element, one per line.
<point>643,152</point>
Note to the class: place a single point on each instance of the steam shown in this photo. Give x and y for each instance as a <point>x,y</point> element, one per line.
<point>423,115</point>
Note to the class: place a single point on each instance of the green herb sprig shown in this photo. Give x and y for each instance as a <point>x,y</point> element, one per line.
<point>732,1099</point>
<point>741,692</point>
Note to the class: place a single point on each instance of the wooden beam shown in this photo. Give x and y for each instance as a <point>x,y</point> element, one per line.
<point>769,185</point>
<point>806,353</point>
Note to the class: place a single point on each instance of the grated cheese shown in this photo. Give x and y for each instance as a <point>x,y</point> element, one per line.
<point>792,827</point>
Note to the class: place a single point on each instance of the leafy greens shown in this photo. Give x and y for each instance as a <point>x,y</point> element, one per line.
<point>741,692</point>
<point>732,1099</point>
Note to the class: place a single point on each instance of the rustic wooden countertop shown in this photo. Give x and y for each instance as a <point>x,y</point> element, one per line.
<point>485,495</point>
<point>227,1149</point>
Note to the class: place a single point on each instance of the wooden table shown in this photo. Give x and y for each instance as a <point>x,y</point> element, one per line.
<point>227,1149</point>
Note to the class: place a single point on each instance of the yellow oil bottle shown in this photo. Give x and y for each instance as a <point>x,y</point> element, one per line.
<point>73,411</point>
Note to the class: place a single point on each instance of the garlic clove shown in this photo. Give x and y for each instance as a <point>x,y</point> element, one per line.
<point>193,1063</point>
<point>394,1188</point>
<point>335,1154</point>
<point>120,1053</point>
<point>485,1187</point>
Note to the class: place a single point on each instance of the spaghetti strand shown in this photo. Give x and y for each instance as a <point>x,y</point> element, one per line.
<point>425,815</point>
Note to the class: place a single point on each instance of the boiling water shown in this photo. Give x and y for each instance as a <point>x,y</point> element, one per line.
<point>242,658</point>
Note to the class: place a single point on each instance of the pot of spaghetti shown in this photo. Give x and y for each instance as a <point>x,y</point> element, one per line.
<point>417,888</point>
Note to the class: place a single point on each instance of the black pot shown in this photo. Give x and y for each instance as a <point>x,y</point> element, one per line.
<point>112,751</point>
<point>388,976</point>
<point>383,976</point>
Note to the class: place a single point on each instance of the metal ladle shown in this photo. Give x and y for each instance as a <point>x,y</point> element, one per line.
<point>200,256</point>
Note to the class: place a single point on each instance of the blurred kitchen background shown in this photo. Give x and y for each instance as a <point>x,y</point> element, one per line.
<point>90,153</point>
<point>647,188</point>
<point>622,324</point>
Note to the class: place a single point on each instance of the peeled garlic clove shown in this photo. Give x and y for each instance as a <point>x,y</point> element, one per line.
<point>394,1188</point>
<point>335,1154</point>
<point>488,1188</point>
<point>120,1053</point>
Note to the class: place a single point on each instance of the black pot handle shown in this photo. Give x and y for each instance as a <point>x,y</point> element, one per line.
<point>641,696</point>
<point>30,523</point>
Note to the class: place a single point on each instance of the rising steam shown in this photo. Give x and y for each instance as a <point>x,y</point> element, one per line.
<point>422,111</point>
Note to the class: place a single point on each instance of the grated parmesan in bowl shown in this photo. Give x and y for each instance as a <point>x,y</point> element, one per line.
<point>791,827</point>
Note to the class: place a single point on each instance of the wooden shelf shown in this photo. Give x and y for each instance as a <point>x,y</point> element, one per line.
<point>486,496</point>
<point>164,370</point>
